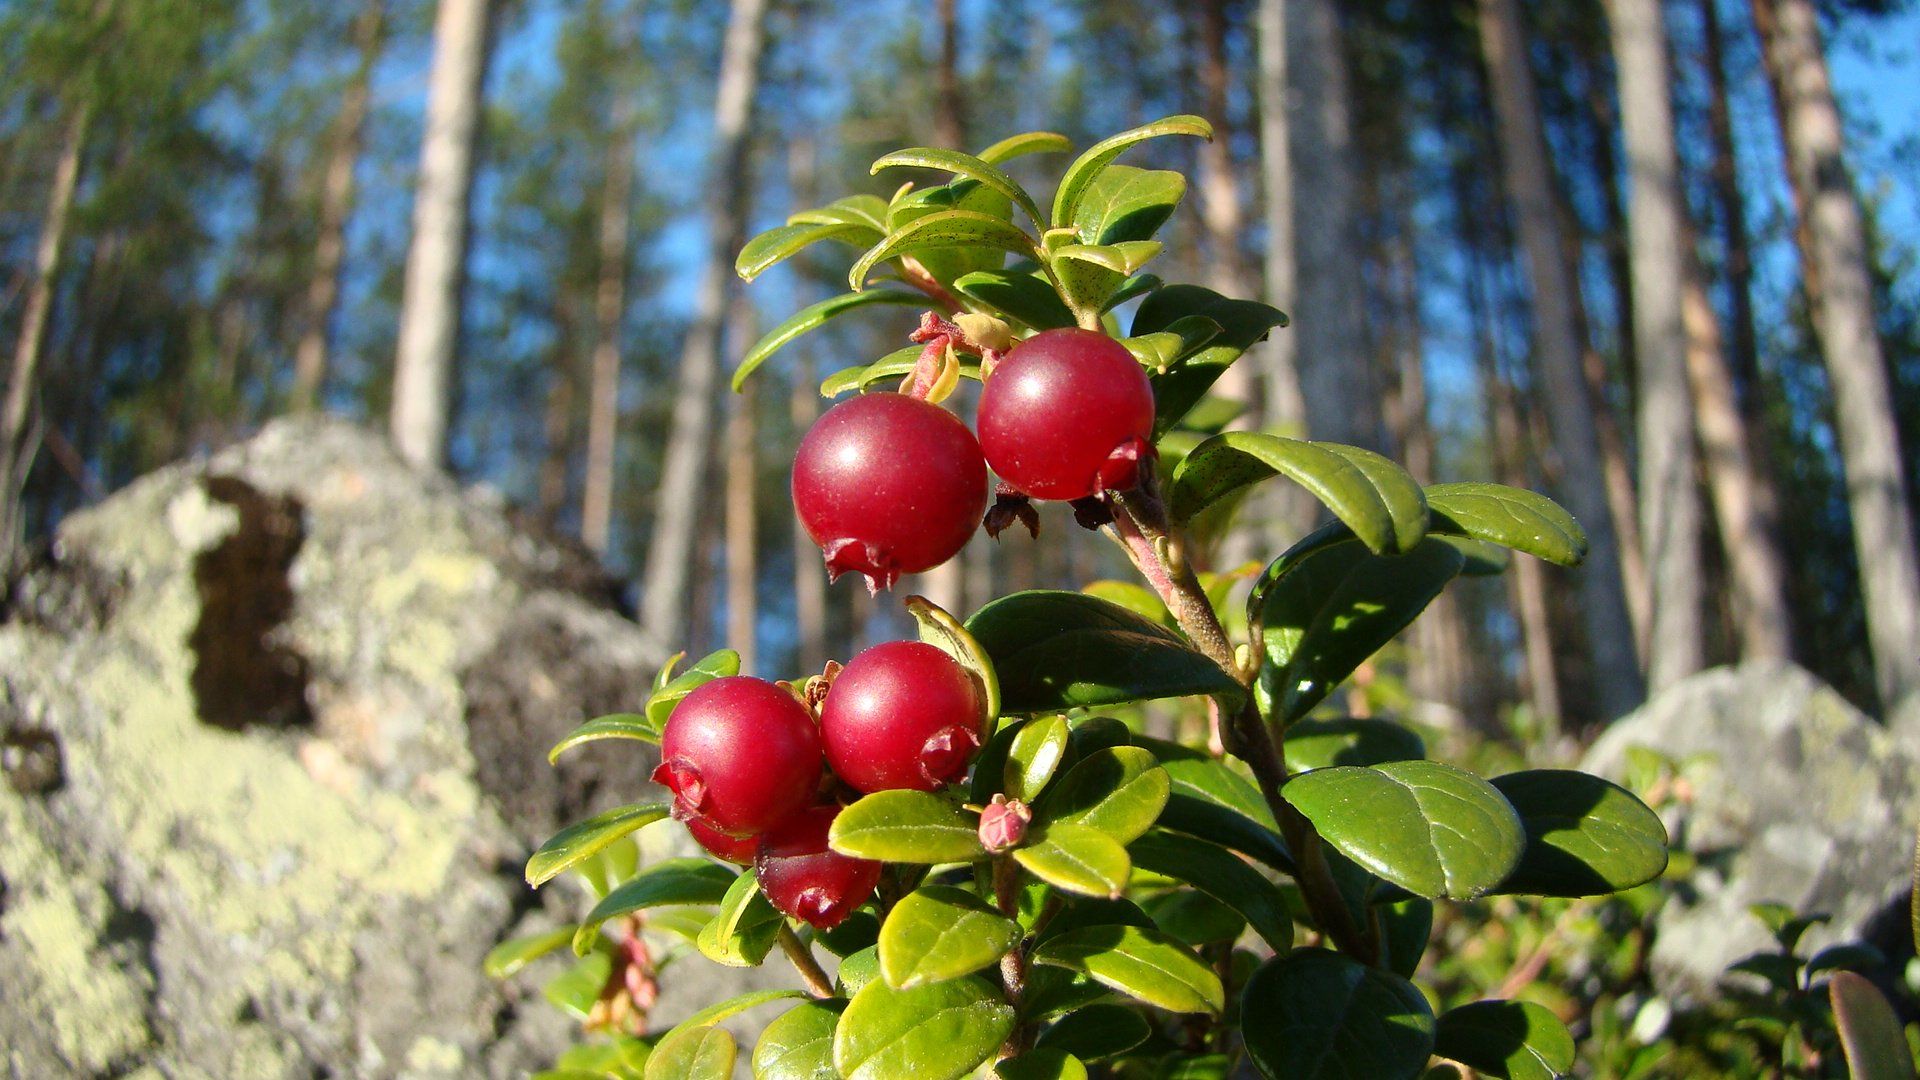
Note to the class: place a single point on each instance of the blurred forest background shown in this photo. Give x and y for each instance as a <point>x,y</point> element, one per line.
<point>1646,268</point>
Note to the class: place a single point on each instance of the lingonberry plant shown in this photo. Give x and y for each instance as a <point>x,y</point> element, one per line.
<point>1014,879</point>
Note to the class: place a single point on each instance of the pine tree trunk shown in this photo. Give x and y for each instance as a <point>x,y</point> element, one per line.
<point>1836,259</point>
<point>609,310</point>
<point>563,391</point>
<point>949,117</point>
<point>743,559</point>
<point>336,206</point>
<point>1617,679</point>
<point>1221,211</point>
<point>1743,338</point>
<point>1671,519</point>
<point>675,522</point>
<point>809,582</point>
<point>436,257</point>
<point>1286,408</point>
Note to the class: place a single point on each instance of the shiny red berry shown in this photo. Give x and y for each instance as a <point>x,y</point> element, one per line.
<point>901,715</point>
<point>1067,414</point>
<point>888,484</point>
<point>805,879</point>
<point>740,753</point>
<point>738,850</point>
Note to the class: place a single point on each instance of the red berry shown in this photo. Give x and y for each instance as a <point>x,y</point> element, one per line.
<point>901,715</point>
<point>1066,415</point>
<point>805,879</point>
<point>734,849</point>
<point>888,484</point>
<point>741,754</point>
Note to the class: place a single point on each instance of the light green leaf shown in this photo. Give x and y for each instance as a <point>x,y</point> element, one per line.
<point>1162,351</point>
<point>1378,504</point>
<point>743,931</point>
<point>1313,1014</point>
<point>693,1053</point>
<point>907,826</point>
<point>1078,859</point>
<point>584,839</point>
<point>614,726</point>
<point>856,970</point>
<point>935,627</point>
<point>574,990</point>
<point>812,317</point>
<point>734,1006</point>
<point>868,210</point>
<point>1089,275</point>
<point>1029,142</point>
<point>783,242</point>
<point>965,166</point>
<point>1125,203</point>
<point>1036,752</point>
<point>893,366</point>
<point>1141,963</point>
<point>1430,828</point>
<point>1585,836</point>
<point>1119,791</point>
<point>1134,597</point>
<point>1511,517</point>
<point>1222,875</point>
<point>938,932</point>
<point>1041,1064</point>
<point>798,1044</point>
<point>1080,176</point>
<point>1242,324</point>
<point>941,1031</point>
<point>1316,744</point>
<point>664,884</point>
<point>1023,297</point>
<point>1506,1040</point>
<point>720,664</point>
<point>944,229</point>
<point>508,957</point>
<point>1064,650</point>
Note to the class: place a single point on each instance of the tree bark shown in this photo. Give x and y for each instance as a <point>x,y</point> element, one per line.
<point>670,553</point>
<point>1835,257</point>
<point>1743,338</point>
<point>1221,212</point>
<point>809,584</point>
<point>949,117</point>
<point>556,466</point>
<point>437,256</point>
<point>1557,343</point>
<point>336,206</point>
<point>1670,512</point>
<point>609,310</point>
<point>1285,405</point>
<point>743,562</point>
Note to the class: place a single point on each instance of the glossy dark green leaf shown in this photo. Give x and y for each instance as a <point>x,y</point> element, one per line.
<point>1080,176</point>
<point>1316,744</point>
<point>1064,650</point>
<point>941,1031</point>
<point>1378,504</point>
<point>860,930</point>
<point>1222,875</point>
<point>1314,1014</point>
<point>1035,754</point>
<point>1324,615</point>
<point>966,166</point>
<point>1118,790</point>
<point>508,957</point>
<point>1406,928</point>
<point>1511,517</point>
<point>907,826</point>
<point>1027,142</point>
<point>1125,203</point>
<point>664,884</point>
<point>798,1044</point>
<point>1026,298</point>
<point>1143,964</point>
<point>615,726</point>
<point>783,242</point>
<point>938,932</point>
<point>1432,829</point>
<point>693,1053</point>
<point>944,229</point>
<point>1096,1032</point>
<point>585,839</point>
<point>743,931</point>
<point>1041,1064</point>
<point>812,317</point>
<point>1506,1040</point>
<point>574,990</point>
<point>1134,597</point>
<point>1135,286</point>
<point>1846,956</point>
<point>720,664</point>
<point>1076,858</point>
<point>1585,836</point>
<point>1870,1033</point>
<point>1202,817</point>
<point>892,367</point>
<point>1242,324</point>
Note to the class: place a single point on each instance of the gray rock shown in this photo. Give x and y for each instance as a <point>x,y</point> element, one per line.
<point>1796,797</point>
<point>276,725</point>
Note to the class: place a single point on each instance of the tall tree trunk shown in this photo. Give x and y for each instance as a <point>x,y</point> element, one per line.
<point>1286,407</point>
<point>23,387</point>
<point>1670,514</point>
<point>949,116</point>
<point>663,604</point>
<point>1557,343</point>
<point>563,391</point>
<point>609,310</point>
<point>743,557</point>
<point>336,205</point>
<point>1220,207</point>
<point>437,256</point>
<point>809,584</point>
<point>1835,256</point>
<point>1743,338</point>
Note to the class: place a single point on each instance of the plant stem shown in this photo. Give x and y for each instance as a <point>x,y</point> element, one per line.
<point>803,961</point>
<point>917,275</point>
<point>1013,963</point>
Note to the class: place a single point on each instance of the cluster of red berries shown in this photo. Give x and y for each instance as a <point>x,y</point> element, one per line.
<point>758,779</point>
<point>889,484</point>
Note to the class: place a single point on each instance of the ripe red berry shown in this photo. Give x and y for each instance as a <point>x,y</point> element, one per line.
<point>1066,415</point>
<point>738,850</point>
<point>901,715</point>
<point>740,753</point>
<point>805,879</point>
<point>888,484</point>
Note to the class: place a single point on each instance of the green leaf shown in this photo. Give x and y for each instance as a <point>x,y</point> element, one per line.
<point>1137,285</point>
<point>720,664</point>
<point>1847,956</point>
<point>1041,1064</point>
<point>907,826</point>
<point>783,242</point>
<point>734,1006</point>
<point>743,931</point>
<point>508,957</point>
<point>614,726</point>
<point>1028,142</point>
<point>1119,790</point>
<point>857,969</point>
<point>1430,828</point>
<point>868,210</point>
<point>1144,964</point>
<point>942,631</point>
<point>1242,324</point>
<point>798,1044</point>
<point>1065,650</point>
<point>895,365</point>
<point>1511,517</point>
<point>1205,818</point>
<point>1162,351</point>
<point>624,1058</point>
<point>1203,776</point>
<point>1222,875</point>
<point>1316,744</point>
<point>1125,203</point>
<point>1090,274</point>
<point>1078,859</point>
<point>1037,751</point>
<point>1585,836</point>
<point>1080,176</point>
<point>812,317</point>
<point>1313,1014</point>
<point>1506,1040</point>
<point>1376,503</point>
<point>1406,929</point>
<point>1096,1032</point>
<point>1199,1067</point>
<point>1134,597</point>
<point>941,1031</point>
<point>693,1053</point>
<point>675,881</point>
<point>1870,1033</point>
<point>584,839</point>
<point>964,166</point>
<point>575,990</point>
<point>944,229</point>
<point>1322,616</point>
<point>938,932</point>
<point>1023,297</point>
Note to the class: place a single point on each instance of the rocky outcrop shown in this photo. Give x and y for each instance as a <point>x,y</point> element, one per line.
<point>1794,797</point>
<point>274,732</point>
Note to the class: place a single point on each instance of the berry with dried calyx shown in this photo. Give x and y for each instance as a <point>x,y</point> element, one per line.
<point>1068,414</point>
<point>804,878</point>
<point>902,715</point>
<point>741,754</point>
